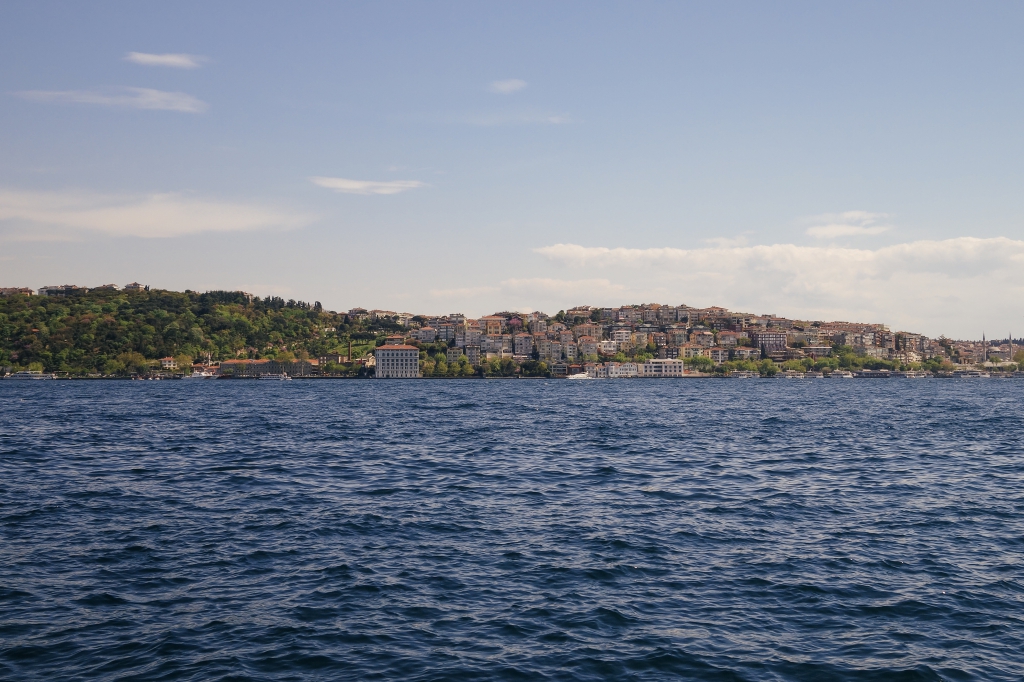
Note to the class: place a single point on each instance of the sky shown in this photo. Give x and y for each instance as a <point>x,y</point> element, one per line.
<point>818,160</point>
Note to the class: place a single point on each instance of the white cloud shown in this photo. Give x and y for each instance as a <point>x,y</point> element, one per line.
<point>176,61</point>
<point>154,215</point>
<point>507,87</point>
<point>501,118</point>
<point>952,286</point>
<point>366,186</point>
<point>526,294</point>
<point>847,224</point>
<point>127,98</point>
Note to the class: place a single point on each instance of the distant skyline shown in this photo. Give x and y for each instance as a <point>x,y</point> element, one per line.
<point>856,161</point>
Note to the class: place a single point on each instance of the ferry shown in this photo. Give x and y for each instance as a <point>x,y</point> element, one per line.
<point>841,374</point>
<point>971,374</point>
<point>31,374</point>
<point>278,377</point>
<point>873,374</point>
<point>743,374</point>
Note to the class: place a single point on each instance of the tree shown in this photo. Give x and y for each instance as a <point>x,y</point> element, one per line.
<point>701,363</point>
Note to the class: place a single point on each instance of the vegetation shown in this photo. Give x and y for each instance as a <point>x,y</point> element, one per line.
<point>123,332</point>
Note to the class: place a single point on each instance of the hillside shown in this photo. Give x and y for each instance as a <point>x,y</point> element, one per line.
<point>109,331</point>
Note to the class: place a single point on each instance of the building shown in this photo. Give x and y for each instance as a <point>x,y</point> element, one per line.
<point>654,369</point>
<point>746,353</point>
<point>770,341</point>
<point>588,345</point>
<point>453,354</point>
<point>425,334</point>
<point>473,355</point>
<point>492,325</point>
<point>718,355</point>
<point>706,338</point>
<point>397,362</point>
<point>168,363</point>
<point>522,344</point>
<point>12,291</point>
<point>135,286</point>
<point>61,290</point>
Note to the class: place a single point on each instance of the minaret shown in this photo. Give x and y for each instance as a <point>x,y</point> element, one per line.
<point>984,346</point>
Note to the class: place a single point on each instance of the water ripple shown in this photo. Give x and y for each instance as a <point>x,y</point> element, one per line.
<point>718,530</point>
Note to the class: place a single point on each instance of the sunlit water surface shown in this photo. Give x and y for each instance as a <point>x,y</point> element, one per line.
<point>475,530</point>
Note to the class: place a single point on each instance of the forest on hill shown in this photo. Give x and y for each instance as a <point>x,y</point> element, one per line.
<point>110,331</point>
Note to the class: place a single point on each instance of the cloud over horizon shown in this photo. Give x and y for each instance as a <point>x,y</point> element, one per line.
<point>123,98</point>
<point>175,61</point>
<point>347,186</point>
<point>148,216</point>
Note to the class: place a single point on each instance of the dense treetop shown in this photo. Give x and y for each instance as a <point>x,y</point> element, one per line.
<point>104,330</point>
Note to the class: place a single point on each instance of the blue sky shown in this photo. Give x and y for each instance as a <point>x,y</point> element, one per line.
<point>821,160</point>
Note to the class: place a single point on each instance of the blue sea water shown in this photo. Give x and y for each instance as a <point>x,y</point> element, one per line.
<point>512,530</point>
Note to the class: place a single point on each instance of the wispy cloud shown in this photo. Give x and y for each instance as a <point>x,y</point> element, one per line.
<point>63,215</point>
<point>950,286</point>
<point>175,61</point>
<point>501,118</point>
<point>126,98</point>
<point>847,224</point>
<point>507,87</point>
<point>366,186</point>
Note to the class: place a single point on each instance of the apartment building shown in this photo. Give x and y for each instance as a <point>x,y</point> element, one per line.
<point>397,362</point>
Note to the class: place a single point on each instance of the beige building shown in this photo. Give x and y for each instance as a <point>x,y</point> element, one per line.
<point>397,362</point>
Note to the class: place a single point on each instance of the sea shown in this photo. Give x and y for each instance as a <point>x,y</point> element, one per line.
<point>512,530</point>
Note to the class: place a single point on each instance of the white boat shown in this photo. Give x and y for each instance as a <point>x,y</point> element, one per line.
<point>30,374</point>
<point>278,377</point>
<point>201,374</point>
<point>579,376</point>
<point>841,374</point>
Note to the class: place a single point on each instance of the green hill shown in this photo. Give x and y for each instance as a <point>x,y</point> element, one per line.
<point>109,331</point>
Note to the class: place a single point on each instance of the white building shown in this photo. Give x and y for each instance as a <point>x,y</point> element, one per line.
<point>662,368</point>
<point>397,362</point>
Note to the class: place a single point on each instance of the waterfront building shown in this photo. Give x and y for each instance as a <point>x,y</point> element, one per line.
<point>654,369</point>
<point>397,362</point>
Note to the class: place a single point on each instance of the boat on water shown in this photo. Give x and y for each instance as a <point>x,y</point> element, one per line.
<point>201,374</point>
<point>873,374</point>
<point>841,374</point>
<point>30,374</point>
<point>579,376</point>
<point>278,377</point>
<point>743,374</point>
<point>971,374</point>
